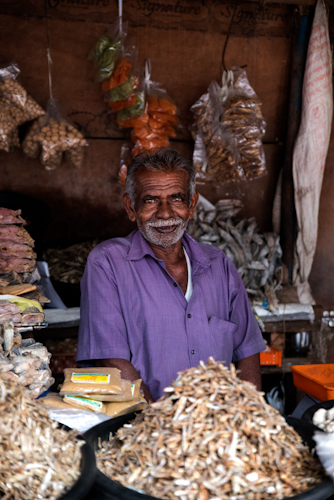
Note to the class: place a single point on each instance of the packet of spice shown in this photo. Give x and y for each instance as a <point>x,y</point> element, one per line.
<point>83,381</point>
<point>130,392</point>
<point>53,135</point>
<point>16,107</point>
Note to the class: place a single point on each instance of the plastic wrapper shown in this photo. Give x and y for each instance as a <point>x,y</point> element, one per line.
<point>75,418</point>
<point>89,381</point>
<point>154,128</point>
<point>242,117</point>
<point>51,136</point>
<point>228,130</point>
<point>107,49</point>
<point>16,107</point>
<point>325,451</point>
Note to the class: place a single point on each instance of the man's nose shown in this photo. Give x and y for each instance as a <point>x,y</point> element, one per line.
<point>164,210</point>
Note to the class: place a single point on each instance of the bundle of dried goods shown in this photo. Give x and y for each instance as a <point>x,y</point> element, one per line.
<point>229,127</point>
<point>210,436</point>
<point>16,248</point>
<point>38,459</point>
<point>24,361</point>
<point>16,107</point>
<point>51,136</point>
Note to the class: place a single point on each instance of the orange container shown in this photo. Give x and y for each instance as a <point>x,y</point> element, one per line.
<point>315,380</point>
<point>271,356</point>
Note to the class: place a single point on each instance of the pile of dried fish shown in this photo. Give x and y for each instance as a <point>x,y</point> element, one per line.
<point>24,361</point>
<point>68,264</point>
<point>16,245</point>
<point>38,459</point>
<point>254,254</point>
<point>210,436</point>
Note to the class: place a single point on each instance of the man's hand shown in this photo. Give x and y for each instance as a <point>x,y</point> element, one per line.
<point>128,372</point>
<point>250,370</point>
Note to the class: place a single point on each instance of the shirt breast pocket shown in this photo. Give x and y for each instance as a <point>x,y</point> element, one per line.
<point>222,333</point>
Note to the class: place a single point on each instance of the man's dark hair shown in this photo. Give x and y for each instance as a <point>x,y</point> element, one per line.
<point>162,160</point>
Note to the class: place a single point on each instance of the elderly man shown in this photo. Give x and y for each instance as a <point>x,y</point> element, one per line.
<point>158,302</point>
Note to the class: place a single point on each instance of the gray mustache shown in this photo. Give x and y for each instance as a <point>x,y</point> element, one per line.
<point>164,223</point>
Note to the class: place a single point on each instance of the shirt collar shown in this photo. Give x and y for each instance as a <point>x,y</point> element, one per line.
<point>200,255</point>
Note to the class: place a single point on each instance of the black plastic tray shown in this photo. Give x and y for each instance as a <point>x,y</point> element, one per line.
<point>87,475</point>
<point>106,489</point>
<point>308,414</point>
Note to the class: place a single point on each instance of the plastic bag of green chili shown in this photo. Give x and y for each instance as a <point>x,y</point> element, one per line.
<point>106,50</point>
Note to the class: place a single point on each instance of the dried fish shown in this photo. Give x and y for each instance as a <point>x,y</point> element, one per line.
<point>25,361</point>
<point>255,255</point>
<point>38,459</point>
<point>68,264</point>
<point>211,436</point>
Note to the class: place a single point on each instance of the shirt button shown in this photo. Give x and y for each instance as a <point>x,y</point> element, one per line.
<point>189,315</point>
<point>193,352</point>
<point>175,284</point>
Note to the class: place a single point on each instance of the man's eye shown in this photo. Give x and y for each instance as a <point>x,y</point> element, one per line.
<point>149,200</point>
<point>178,198</point>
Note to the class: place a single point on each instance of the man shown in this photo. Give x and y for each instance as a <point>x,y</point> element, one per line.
<point>158,302</point>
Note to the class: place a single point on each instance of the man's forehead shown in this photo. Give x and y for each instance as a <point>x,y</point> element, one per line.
<point>151,179</point>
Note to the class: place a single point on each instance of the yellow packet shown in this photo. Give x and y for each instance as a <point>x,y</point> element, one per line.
<point>85,403</point>
<point>53,400</point>
<point>130,392</point>
<point>121,408</point>
<point>83,381</point>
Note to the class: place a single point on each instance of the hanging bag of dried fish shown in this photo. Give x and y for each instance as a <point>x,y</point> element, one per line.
<point>16,107</point>
<point>53,135</point>
<point>215,154</point>
<point>242,118</point>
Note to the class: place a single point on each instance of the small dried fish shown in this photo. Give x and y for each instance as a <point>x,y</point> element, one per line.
<point>211,436</point>
<point>68,264</point>
<point>38,459</point>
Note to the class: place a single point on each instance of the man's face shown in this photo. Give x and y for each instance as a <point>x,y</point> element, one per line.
<point>162,208</point>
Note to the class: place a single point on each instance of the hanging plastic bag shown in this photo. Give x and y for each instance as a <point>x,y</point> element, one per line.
<point>242,118</point>
<point>53,135</point>
<point>106,50</point>
<point>16,107</point>
<point>215,154</point>
<point>161,118</point>
<point>228,130</point>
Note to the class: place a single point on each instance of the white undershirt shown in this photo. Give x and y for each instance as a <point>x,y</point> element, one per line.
<point>190,283</point>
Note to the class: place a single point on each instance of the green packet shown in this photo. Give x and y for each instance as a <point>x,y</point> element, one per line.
<point>122,91</point>
<point>136,109</point>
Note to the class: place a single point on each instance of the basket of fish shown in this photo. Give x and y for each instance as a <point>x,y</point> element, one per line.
<point>210,436</point>
<point>39,459</point>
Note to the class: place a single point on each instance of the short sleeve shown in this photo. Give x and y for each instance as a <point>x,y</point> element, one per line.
<point>248,338</point>
<point>102,331</point>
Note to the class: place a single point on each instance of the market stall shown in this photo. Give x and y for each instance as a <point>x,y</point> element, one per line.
<point>244,91</point>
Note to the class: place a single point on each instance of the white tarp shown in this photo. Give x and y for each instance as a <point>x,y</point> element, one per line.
<point>311,147</point>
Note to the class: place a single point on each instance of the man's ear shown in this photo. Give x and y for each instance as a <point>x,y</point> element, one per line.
<point>193,204</point>
<point>128,207</point>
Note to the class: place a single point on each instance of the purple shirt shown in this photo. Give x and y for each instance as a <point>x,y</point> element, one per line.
<point>132,308</point>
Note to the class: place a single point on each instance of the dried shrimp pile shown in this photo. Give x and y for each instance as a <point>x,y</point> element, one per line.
<point>211,436</point>
<point>38,460</point>
<point>68,264</point>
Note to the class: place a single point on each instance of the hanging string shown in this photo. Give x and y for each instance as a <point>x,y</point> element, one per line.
<point>120,14</point>
<point>48,49</point>
<point>227,37</point>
